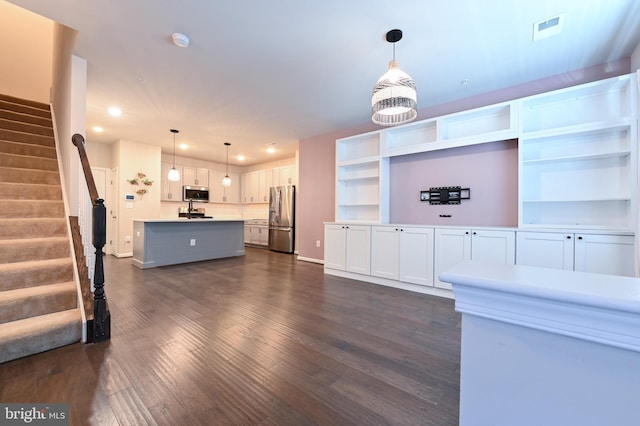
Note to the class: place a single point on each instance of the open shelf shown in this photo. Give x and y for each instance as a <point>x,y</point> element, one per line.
<point>357,148</point>
<point>605,100</point>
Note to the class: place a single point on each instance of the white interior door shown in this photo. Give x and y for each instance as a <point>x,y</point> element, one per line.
<point>112,213</point>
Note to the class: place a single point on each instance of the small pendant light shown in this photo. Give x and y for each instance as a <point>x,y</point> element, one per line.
<point>174,174</point>
<point>394,100</point>
<point>226,180</point>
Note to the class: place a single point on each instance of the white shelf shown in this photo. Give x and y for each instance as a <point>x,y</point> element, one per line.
<point>606,100</point>
<point>358,148</point>
<point>615,154</point>
<point>478,122</point>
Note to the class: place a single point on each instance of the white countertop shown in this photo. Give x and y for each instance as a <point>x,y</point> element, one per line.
<point>184,219</point>
<point>594,307</point>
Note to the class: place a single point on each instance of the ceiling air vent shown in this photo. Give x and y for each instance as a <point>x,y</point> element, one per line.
<point>548,27</point>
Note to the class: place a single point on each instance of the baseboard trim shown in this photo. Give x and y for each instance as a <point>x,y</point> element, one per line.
<point>310,259</point>
<point>120,255</point>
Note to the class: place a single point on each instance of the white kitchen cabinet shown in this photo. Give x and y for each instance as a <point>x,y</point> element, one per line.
<point>453,245</point>
<point>250,184</point>
<point>195,176</point>
<point>256,232</point>
<point>402,253</point>
<point>284,175</point>
<point>599,253</point>
<point>223,194</point>
<point>170,190</point>
<point>265,180</point>
<point>348,248</point>
<point>255,186</point>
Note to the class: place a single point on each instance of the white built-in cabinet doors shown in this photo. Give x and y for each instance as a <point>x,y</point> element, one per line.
<point>195,176</point>
<point>170,190</point>
<point>598,253</point>
<point>348,248</point>
<point>455,245</point>
<point>402,253</point>
<point>223,194</point>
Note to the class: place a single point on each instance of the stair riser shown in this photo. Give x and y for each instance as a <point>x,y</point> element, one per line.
<point>8,174</point>
<point>19,228</point>
<point>19,148</point>
<point>10,135</point>
<point>17,191</point>
<point>14,276</point>
<point>36,304</point>
<point>25,118</point>
<point>22,251</point>
<point>33,129</point>
<point>31,209</point>
<point>26,162</point>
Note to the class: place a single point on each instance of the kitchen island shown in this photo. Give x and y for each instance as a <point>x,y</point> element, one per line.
<point>160,242</point>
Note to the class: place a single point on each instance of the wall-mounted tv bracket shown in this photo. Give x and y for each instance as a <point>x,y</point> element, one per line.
<point>445,195</point>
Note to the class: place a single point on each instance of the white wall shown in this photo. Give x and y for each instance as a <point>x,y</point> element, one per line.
<point>635,59</point>
<point>26,51</point>
<point>131,158</point>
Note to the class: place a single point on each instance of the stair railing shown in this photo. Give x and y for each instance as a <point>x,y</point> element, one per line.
<point>101,314</point>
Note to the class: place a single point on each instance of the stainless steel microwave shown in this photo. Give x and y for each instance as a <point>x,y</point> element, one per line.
<point>195,193</point>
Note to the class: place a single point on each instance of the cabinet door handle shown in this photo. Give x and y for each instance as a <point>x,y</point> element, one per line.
<point>401,230</point>
<point>396,229</point>
<point>580,237</point>
<point>568,237</point>
<point>475,233</point>
<point>466,233</point>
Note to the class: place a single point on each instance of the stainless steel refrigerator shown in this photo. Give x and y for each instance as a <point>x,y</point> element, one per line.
<point>282,206</point>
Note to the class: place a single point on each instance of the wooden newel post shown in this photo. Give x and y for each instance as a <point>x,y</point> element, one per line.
<point>102,317</point>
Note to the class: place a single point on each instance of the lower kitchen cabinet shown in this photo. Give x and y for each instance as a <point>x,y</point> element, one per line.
<point>402,253</point>
<point>348,248</point>
<point>454,245</point>
<point>598,253</point>
<point>256,232</point>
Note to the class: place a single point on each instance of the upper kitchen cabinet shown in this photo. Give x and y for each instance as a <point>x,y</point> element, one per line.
<point>285,175</point>
<point>170,190</point>
<point>223,194</point>
<point>361,179</point>
<point>578,156</point>
<point>195,176</point>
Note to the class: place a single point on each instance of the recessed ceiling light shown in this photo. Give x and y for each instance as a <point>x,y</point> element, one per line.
<point>180,40</point>
<point>98,129</point>
<point>183,146</point>
<point>272,147</point>
<point>114,111</point>
<point>240,157</point>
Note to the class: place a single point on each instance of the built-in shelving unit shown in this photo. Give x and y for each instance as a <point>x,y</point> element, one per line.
<point>577,153</point>
<point>361,174</point>
<point>481,125</point>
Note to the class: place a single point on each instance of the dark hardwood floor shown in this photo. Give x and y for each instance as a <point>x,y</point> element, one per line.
<point>261,339</point>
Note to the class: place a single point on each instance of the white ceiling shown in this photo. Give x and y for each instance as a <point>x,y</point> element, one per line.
<point>262,72</point>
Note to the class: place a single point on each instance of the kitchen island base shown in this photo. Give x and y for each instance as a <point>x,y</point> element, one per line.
<point>161,242</point>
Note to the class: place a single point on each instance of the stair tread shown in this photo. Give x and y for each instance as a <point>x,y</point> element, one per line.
<point>17,241</point>
<point>34,264</point>
<point>51,321</point>
<point>38,334</point>
<point>41,290</point>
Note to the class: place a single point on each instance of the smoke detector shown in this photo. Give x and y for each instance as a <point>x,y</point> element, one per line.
<point>180,39</point>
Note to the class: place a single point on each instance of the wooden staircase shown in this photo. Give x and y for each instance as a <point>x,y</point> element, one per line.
<point>38,296</point>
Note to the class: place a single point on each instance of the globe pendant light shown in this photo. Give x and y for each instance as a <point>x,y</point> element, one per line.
<point>174,174</point>
<point>394,100</point>
<point>226,180</point>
